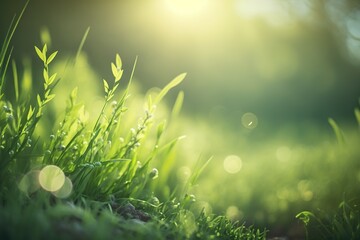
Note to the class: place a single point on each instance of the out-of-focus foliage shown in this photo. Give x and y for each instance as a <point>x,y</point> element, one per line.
<point>344,223</point>
<point>279,59</point>
<point>261,179</point>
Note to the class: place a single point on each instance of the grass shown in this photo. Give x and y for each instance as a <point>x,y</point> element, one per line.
<point>341,224</point>
<point>82,157</point>
<point>88,176</point>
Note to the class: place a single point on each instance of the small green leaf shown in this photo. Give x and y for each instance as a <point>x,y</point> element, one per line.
<point>52,78</point>
<point>114,70</point>
<point>30,113</point>
<point>38,98</point>
<point>39,53</point>
<point>115,87</point>
<point>51,57</point>
<point>47,92</point>
<point>106,86</point>
<point>49,98</point>
<point>44,50</point>
<point>39,113</point>
<point>118,76</point>
<point>118,61</point>
<point>305,216</point>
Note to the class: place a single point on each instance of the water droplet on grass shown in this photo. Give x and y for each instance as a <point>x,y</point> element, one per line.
<point>154,173</point>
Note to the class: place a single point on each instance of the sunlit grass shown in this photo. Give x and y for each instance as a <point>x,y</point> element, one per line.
<point>88,176</point>
<point>102,155</point>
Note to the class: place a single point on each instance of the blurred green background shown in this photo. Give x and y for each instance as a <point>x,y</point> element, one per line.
<point>263,78</point>
<point>282,60</point>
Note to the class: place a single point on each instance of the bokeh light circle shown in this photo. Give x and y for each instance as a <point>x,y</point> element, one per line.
<point>29,182</point>
<point>65,190</point>
<point>233,213</point>
<point>183,173</point>
<point>51,178</point>
<point>249,120</point>
<point>188,221</point>
<point>232,164</point>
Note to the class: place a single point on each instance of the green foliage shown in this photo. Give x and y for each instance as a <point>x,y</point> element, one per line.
<point>87,180</point>
<point>342,224</point>
<point>5,55</point>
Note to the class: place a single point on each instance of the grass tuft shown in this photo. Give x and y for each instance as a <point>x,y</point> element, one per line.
<point>85,179</point>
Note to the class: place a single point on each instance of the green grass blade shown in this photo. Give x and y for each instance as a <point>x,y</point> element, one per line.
<point>82,44</point>
<point>16,81</point>
<point>5,47</point>
<point>178,105</point>
<point>357,115</point>
<point>176,81</point>
<point>10,34</point>
<point>337,130</point>
<point>4,73</point>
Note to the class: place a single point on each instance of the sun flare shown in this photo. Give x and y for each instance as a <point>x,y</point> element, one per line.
<point>185,7</point>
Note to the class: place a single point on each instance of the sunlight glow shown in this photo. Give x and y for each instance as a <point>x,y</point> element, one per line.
<point>183,173</point>
<point>51,178</point>
<point>275,12</point>
<point>271,10</point>
<point>185,7</point>
<point>232,164</point>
